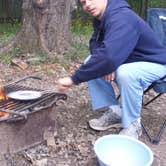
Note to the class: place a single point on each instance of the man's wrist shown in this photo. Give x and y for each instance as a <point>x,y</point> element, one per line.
<point>75,80</point>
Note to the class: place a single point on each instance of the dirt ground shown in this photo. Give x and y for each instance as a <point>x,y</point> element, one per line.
<point>74,139</point>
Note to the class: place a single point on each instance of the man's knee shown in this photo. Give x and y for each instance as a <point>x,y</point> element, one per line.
<point>125,75</point>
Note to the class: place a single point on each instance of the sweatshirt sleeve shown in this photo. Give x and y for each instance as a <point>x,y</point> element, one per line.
<point>120,38</point>
<point>93,41</point>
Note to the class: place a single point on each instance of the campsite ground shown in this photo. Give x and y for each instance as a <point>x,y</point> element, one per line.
<point>74,139</point>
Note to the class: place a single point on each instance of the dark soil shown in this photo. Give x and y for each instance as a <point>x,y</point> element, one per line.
<point>74,139</point>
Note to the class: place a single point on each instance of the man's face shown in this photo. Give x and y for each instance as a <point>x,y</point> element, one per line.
<point>94,8</point>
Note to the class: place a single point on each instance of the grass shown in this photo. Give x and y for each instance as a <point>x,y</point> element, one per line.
<point>81,32</point>
<point>8,31</point>
<point>79,47</point>
<point>6,58</point>
<point>80,43</point>
<point>81,27</point>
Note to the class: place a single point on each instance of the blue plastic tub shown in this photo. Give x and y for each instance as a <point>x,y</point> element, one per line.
<point>119,150</point>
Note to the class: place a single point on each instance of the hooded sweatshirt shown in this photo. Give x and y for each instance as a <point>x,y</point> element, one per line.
<point>121,36</point>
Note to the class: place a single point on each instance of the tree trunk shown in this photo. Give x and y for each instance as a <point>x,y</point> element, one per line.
<point>45,27</point>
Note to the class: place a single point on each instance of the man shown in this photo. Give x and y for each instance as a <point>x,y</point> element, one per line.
<point>124,49</point>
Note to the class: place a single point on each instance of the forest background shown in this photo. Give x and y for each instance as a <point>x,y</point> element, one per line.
<point>80,26</point>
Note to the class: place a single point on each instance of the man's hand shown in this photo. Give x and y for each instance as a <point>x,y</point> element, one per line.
<point>64,84</point>
<point>110,77</point>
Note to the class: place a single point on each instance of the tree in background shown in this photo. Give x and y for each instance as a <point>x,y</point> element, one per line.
<point>45,27</point>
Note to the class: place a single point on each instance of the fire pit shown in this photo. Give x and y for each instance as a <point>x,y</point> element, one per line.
<point>25,123</point>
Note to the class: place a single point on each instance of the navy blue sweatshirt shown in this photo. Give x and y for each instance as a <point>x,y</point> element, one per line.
<point>121,36</point>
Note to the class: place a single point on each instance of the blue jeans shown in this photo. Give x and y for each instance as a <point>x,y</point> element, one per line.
<point>132,79</point>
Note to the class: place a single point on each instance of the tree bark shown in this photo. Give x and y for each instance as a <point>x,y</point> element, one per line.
<point>45,27</point>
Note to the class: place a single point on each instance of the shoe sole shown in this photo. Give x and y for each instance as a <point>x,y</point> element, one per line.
<point>117,125</point>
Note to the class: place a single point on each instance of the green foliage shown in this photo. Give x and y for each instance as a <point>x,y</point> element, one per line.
<point>140,6</point>
<point>8,31</point>
<point>37,59</point>
<point>18,51</point>
<point>81,23</point>
<point>6,58</point>
<point>157,3</point>
<point>80,27</point>
<point>77,53</point>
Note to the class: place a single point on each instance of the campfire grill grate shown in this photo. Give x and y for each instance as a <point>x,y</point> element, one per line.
<point>29,122</point>
<point>19,110</point>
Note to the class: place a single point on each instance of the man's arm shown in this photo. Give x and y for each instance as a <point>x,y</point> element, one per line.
<point>121,36</point>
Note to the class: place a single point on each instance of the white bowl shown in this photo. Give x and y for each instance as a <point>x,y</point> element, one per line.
<point>119,150</point>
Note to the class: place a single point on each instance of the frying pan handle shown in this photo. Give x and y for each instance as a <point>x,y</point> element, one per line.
<point>58,97</point>
<point>24,78</point>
